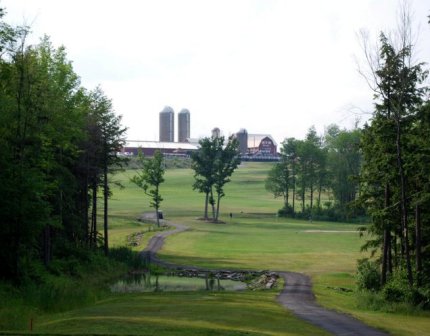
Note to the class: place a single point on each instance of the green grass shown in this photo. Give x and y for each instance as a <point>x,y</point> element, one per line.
<point>185,313</point>
<point>254,239</point>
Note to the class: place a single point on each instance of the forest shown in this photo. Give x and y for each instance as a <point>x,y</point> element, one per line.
<point>59,142</point>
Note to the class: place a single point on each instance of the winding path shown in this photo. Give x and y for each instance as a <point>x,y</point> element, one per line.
<point>296,296</point>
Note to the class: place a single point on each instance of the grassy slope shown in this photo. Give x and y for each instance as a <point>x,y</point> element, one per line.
<point>182,313</point>
<point>250,240</point>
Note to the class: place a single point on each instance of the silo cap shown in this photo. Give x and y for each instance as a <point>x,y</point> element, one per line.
<point>167,109</point>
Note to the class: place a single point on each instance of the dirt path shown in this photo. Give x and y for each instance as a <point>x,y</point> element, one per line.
<point>296,296</point>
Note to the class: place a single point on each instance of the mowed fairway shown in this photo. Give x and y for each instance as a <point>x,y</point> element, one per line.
<point>253,239</point>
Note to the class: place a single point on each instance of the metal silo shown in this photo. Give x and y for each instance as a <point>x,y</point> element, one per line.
<point>216,132</point>
<point>183,125</point>
<point>242,136</point>
<point>167,125</point>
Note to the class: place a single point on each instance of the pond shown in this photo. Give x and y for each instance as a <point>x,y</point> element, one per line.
<point>147,282</point>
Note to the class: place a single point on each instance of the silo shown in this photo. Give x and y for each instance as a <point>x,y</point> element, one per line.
<point>242,136</point>
<point>183,125</point>
<point>216,132</point>
<point>167,125</point>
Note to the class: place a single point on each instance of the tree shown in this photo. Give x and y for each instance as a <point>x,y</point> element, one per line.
<point>47,123</point>
<point>213,164</point>
<point>289,152</point>
<point>150,178</point>
<point>226,162</point>
<point>343,165</point>
<point>203,164</point>
<point>388,142</point>
<point>278,181</point>
<point>111,138</point>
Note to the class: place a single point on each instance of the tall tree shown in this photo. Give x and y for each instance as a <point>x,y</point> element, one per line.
<point>289,152</point>
<point>213,164</point>
<point>203,164</point>
<point>343,165</point>
<point>387,143</point>
<point>278,181</point>
<point>150,178</point>
<point>226,162</point>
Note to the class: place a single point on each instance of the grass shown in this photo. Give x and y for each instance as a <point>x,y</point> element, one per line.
<point>184,313</point>
<point>253,239</point>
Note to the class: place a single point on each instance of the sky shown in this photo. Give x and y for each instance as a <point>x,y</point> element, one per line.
<point>271,67</point>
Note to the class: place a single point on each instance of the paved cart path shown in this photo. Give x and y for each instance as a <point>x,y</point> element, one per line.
<point>296,296</point>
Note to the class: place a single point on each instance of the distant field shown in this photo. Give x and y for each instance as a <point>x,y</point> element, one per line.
<point>253,239</point>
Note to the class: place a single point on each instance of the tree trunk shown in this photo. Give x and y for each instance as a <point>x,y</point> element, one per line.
<point>105,210</point>
<point>319,196</point>
<point>418,261</point>
<point>403,206</point>
<point>93,240</point>
<point>206,206</point>
<point>217,207</point>
<point>212,201</point>
<point>46,245</point>
<point>294,193</point>
<point>312,196</point>
<point>85,212</point>
<point>386,238</point>
<point>157,215</point>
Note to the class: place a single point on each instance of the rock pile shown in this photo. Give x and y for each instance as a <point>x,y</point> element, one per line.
<point>135,238</point>
<point>255,279</point>
<point>267,280</point>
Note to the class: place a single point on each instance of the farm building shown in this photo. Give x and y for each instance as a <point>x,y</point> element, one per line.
<point>148,148</point>
<point>261,144</point>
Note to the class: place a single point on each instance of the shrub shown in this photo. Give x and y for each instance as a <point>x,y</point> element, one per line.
<point>368,275</point>
<point>125,255</point>
<point>397,289</point>
<point>286,211</point>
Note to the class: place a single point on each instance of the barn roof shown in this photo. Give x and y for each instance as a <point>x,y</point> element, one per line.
<point>254,140</point>
<point>160,145</point>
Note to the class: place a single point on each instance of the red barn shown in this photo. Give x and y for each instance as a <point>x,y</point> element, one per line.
<point>261,144</point>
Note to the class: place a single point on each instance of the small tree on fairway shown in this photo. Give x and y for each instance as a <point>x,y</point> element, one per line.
<point>213,164</point>
<point>227,160</point>
<point>150,179</point>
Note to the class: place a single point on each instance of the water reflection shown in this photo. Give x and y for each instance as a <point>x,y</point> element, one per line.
<point>147,282</point>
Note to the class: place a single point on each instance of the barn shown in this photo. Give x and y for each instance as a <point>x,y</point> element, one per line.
<point>262,145</point>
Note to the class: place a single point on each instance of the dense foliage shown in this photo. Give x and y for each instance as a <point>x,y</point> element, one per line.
<point>213,164</point>
<point>316,165</point>
<point>395,178</point>
<point>58,142</point>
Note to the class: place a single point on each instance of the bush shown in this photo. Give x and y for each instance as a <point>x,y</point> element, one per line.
<point>397,288</point>
<point>421,297</point>
<point>368,276</point>
<point>286,211</point>
<point>125,255</point>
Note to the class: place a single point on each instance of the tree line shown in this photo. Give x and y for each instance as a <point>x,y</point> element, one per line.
<point>395,175</point>
<point>317,168</point>
<point>381,170</point>
<point>59,143</point>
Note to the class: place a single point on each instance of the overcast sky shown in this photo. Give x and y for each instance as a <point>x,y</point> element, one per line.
<point>275,67</point>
